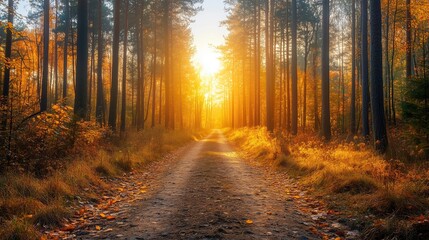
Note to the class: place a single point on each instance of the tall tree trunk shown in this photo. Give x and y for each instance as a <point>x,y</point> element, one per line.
<point>364,66</point>
<point>294,129</point>
<point>45,71</point>
<point>315,86</point>
<point>56,54</point>
<point>155,62</point>
<point>258,68</point>
<point>81,99</point>
<point>288,99</point>
<point>124,71</point>
<point>386,76</point>
<point>326,116</point>
<point>377,101</point>
<point>66,43</point>
<point>408,40</point>
<point>142,65</point>
<point>99,108</point>
<point>308,39</point>
<point>167,65</point>
<point>91,78</point>
<point>392,66</point>
<point>115,66</point>
<point>353,92</point>
<point>269,71</point>
<point>6,76</point>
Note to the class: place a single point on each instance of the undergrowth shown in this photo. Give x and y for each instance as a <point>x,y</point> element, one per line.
<point>29,202</point>
<point>350,175</point>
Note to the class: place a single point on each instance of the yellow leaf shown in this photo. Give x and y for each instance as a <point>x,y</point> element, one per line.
<point>98,228</point>
<point>248,221</point>
<point>102,215</point>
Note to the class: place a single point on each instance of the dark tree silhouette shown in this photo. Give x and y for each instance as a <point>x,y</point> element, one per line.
<point>7,55</point>
<point>45,71</point>
<point>364,68</point>
<point>124,72</point>
<point>269,67</point>
<point>115,66</point>
<point>81,95</point>
<point>294,72</point>
<point>326,116</point>
<point>377,100</point>
<point>353,92</point>
<point>408,40</point>
<point>66,44</point>
<point>99,108</point>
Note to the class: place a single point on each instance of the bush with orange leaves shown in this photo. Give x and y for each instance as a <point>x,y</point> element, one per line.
<point>39,142</point>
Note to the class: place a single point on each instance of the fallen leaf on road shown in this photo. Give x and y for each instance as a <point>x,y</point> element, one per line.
<point>68,228</point>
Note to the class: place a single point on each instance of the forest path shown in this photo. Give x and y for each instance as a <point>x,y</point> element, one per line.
<point>208,192</point>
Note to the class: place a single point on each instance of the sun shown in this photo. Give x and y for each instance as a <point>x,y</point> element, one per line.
<point>207,60</point>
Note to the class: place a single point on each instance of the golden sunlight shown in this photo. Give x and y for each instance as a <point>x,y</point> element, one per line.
<point>207,60</point>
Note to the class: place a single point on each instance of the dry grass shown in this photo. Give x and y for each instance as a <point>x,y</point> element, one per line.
<point>52,216</point>
<point>27,201</point>
<point>18,229</point>
<point>350,172</point>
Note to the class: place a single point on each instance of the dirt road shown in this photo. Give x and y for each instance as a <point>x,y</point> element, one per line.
<point>206,192</point>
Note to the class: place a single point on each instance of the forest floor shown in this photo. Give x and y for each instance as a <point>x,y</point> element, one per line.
<point>205,190</point>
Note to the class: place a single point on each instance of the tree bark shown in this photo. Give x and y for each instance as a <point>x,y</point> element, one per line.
<point>353,91</point>
<point>269,65</point>
<point>66,43</point>
<point>294,129</point>
<point>364,66</point>
<point>124,71</point>
<point>326,121</point>
<point>408,40</point>
<point>377,101</point>
<point>81,99</point>
<point>99,108</point>
<point>8,55</point>
<point>45,71</point>
<point>115,66</point>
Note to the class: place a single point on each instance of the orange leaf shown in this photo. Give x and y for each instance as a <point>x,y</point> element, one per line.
<point>248,221</point>
<point>102,215</point>
<point>68,228</point>
<point>314,230</point>
<point>110,217</point>
<point>98,228</point>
